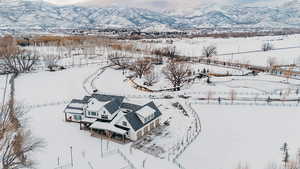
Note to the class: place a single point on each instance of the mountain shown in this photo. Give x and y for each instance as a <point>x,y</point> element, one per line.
<point>23,14</point>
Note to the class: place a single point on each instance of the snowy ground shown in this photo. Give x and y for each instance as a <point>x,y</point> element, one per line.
<point>227,46</point>
<point>48,123</point>
<point>48,87</point>
<point>233,134</point>
<point>230,134</point>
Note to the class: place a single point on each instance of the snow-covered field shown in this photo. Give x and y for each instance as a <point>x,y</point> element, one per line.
<point>47,87</point>
<point>48,123</point>
<point>250,135</point>
<point>227,46</point>
<point>230,134</point>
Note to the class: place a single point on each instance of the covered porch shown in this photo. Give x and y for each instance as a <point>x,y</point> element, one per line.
<point>109,132</point>
<point>86,123</point>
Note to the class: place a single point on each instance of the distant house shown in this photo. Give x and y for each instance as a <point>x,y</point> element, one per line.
<point>110,116</point>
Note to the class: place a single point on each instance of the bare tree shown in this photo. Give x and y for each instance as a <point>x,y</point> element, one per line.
<point>177,73</point>
<point>151,78</point>
<point>166,51</point>
<point>209,51</point>
<point>141,67</point>
<point>120,60</point>
<point>286,155</point>
<point>16,60</point>
<point>7,41</point>
<point>51,61</point>
<point>16,143</point>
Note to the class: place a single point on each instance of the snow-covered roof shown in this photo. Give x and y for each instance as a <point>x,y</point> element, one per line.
<point>109,102</point>
<point>75,107</point>
<point>73,111</point>
<point>146,111</point>
<point>94,105</point>
<point>88,120</point>
<point>107,126</point>
<point>135,122</point>
<point>78,105</point>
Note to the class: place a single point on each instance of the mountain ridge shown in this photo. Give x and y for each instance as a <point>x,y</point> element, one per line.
<point>23,14</point>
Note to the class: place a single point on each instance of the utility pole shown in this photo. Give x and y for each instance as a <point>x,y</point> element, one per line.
<point>101,148</point>
<point>58,161</point>
<point>71,151</point>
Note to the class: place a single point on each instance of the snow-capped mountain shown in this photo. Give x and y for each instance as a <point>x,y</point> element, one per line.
<point>22,14</point>
<point>30,14</point>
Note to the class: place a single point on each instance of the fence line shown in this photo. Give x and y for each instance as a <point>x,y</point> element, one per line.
<point>196,129</point>
<point>130,164</point>
<point>246,104</point>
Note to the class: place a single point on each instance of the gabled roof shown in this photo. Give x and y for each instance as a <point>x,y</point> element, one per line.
<point>130,106</point>
<point>94,105</point>
<point>135,121</point>
<point>106,98</point>
<point>75,107</point>
<point>114,105</point>
<point>146,111</point>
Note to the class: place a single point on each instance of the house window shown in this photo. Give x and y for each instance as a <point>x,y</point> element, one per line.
<point>146,130</point>
<point>124,123</point>
<point>77,117</point>
<point>139,134</point>
<point>93,113</point>
<point>104,116</point>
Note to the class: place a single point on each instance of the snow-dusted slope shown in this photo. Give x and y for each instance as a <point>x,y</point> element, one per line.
<point>20,14</point>
<point>25,14</point>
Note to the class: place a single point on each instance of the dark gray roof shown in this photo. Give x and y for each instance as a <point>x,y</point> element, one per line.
<point>130,106</point>
<point>114,105</point>
<point>75,108</point>
<point>78,101</point>
<point>106,98</point>
<point>135,121</point>
<point>87,98</point>
<point>114,102</point>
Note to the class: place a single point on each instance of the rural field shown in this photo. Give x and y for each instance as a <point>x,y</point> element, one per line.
<point>224,103</point>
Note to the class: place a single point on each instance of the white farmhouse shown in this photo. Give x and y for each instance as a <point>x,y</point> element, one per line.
<point>108,116</point>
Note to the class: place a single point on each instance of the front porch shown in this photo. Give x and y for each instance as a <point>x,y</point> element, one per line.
<point>110,136</point>
<point>109,132</point>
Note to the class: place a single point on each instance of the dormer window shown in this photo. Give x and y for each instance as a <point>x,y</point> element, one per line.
<point>146,114</point>
<point>124,123</point>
